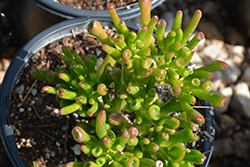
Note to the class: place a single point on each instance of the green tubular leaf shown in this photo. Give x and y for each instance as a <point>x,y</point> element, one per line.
<point>178,20</point>
<point>147,162</point>
<point>192,114</point>
<point>145,8</point>
<point>95,28</point>
<point>131,38</point>
<point>81,99</point>
<point>179,34</point>
<point>169,122</point>
<point>115,53</point>
<point>200,75</point>
<point>107,142</point>
<point>102,89</point>
<point>133,142</point>
<point>89,128</point>
<point>120,41</point>
<point>169,56</point>
<point>188,58</point>
<point>132,162</point>
<point>214,98</point>
<point>183,136</point>
<point>191,27</point>
<point>80,135</point>
<point>183,52</point>
<point>217,65</point>
<point>123,29</point>
<point>115,118</point>
<point>195,157</point>
<point>176,153</point>
<point>170,106</point>
<point>65,77</point>
<point>66,94</point>
<point>186,124</point>
<point>93,109</point>
<point>121,141</point>
<point>49,89</point>
<point>86,149</point>
<point>90,164</point>
<point>169,40</point>
<point>39,74</point>
<point>101,130</point>
<point>195,40</point>
<point>78,59</point>
<point>151,27</point>
<point>75,84</point>
<point>97,151</point>
<point>159,33</point>
<point>135,105</point>
<point>142,33</point>
<point>74,164</point>
<point>186,97</point>
<point>67,52</point>
<point>154,112</point>
<point>79,69</point>
<point>114,16</point>
<point>69,109</point>
<point>174,47</point>
<point>101,160</point>
<point>87,87</point>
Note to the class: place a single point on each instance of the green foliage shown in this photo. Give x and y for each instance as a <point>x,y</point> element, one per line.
<point>154,138</point>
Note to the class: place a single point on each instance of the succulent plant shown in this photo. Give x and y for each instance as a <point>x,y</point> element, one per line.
<point>152,137</point>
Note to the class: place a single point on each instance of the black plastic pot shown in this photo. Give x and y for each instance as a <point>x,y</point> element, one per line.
<point>42,39</point>
<point>126,12</point>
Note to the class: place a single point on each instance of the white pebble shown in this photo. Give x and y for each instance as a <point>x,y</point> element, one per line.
<point>77,149</point>
<point>21,110</point>
<point>34,92</point>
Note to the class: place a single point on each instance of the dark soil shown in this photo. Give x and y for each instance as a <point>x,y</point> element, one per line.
<point>95,4</point>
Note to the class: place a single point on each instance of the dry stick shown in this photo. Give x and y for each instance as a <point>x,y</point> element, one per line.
<point>36,113</point>
<point>73,33</point>
<point>28,93</point>
<point>44,133</point>
<point>203,107</point>
<point>207,151</point>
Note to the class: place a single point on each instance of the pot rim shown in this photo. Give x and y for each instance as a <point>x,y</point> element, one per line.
<point>125,12</point>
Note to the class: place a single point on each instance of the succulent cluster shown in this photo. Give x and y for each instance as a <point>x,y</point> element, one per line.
<point>150,136</point>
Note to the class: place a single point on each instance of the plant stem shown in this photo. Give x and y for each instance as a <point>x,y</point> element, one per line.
<point>108,59</point>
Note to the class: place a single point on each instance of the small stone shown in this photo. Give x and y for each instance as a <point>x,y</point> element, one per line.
<point>212,51</point>
<point>216,80</point>
<point>226,121</point>
<point>76,148</point>
<point>197,61</point>
<point>242,146</point>
<point>231,73</point>
<point>237,54</point>
<point>65,127</point>
<point>246,75</point>
<point>223,55</point>
<point>241,99</point>
<point>19,89</point>
<point>21,109</point>
<point>2,73</point>
<point>34,92</point>
<point>223,147</point>
<point>58,144</point>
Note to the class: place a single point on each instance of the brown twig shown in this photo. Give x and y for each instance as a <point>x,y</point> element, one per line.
<point>44,133</point>
<point>36,113</point>
<point>73,33</point>
<point>207,151</point>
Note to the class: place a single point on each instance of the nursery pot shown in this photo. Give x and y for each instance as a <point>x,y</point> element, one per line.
<point>125,12</point>
<point>51,34</point>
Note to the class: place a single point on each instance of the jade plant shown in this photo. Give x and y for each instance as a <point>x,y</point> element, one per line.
<point>128,124</point>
